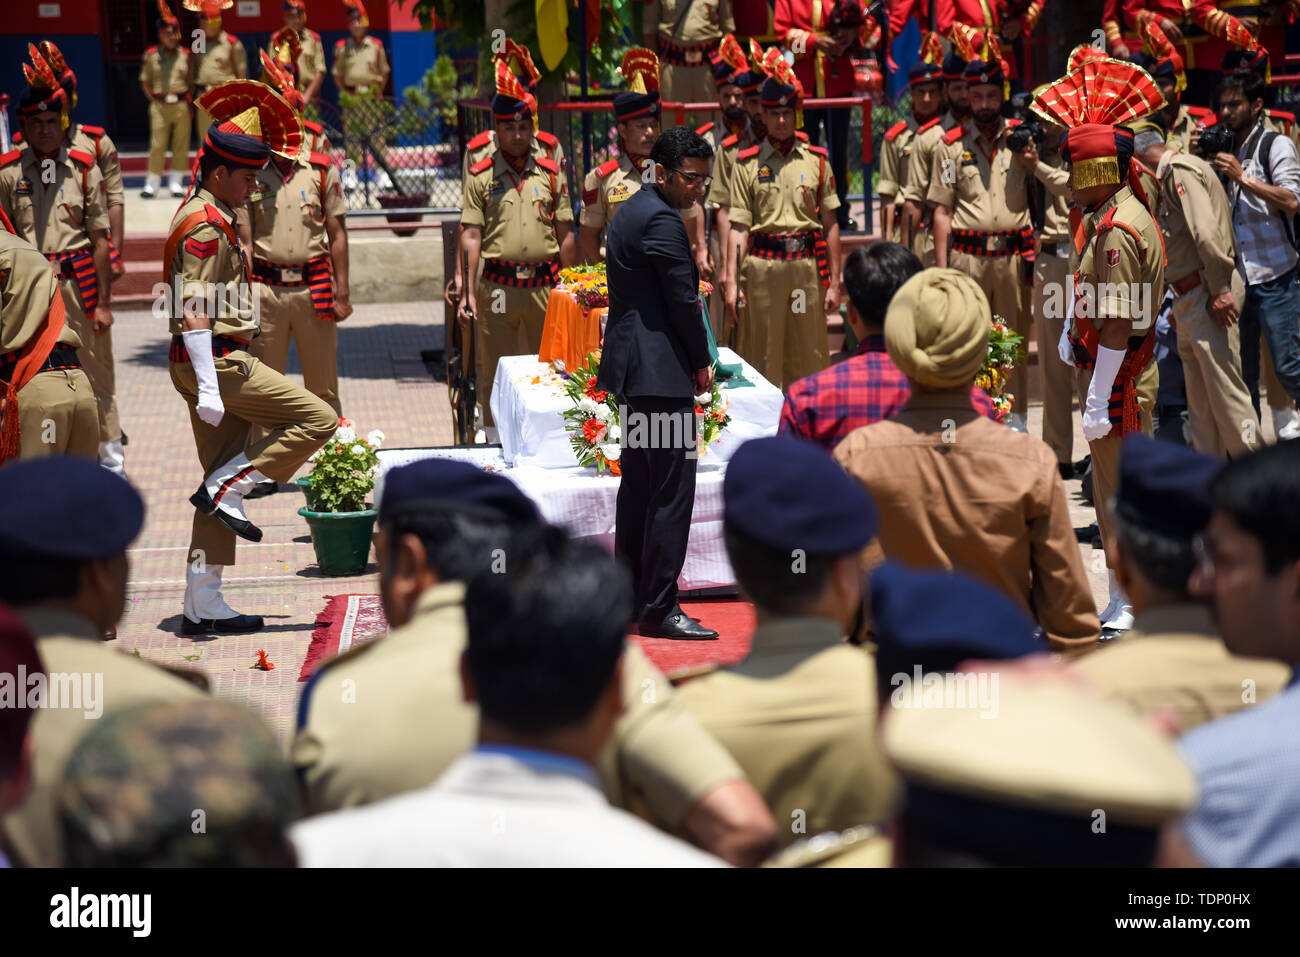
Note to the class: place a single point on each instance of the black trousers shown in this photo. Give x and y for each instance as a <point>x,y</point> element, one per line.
<point>836,121</point>
<point>655,499</point>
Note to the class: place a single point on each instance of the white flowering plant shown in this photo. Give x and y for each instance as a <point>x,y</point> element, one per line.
<point>344,470</point>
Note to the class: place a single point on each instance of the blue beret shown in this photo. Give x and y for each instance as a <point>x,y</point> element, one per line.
<point>434,484</point>
<point>938,619</point>
<point>1164,487</point>
<point>787,493</point>
<point>67,507</point>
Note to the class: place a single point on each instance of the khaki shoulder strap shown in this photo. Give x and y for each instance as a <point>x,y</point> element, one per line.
<point>208,214</point>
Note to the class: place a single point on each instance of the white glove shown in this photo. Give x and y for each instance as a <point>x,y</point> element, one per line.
<point>1063,347</point>
<point>198,343</point>
<point>1096,412</point>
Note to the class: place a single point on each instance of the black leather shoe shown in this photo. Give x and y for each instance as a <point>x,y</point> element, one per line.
<point>680,626</point>
<point>263,489</point>
<point>1065,468</point>
<point>239,625</point>
<point>241,527</point>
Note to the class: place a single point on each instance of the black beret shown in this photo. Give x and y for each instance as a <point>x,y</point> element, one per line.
<point>1164,487</point>
<point>435,484</point>
<point>67,507</point>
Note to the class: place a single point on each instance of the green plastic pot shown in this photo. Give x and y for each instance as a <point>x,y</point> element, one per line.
<point>341,539</point>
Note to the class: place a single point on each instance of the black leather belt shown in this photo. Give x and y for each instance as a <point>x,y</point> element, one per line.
<point>61,357</point>
<point>1052,249</point>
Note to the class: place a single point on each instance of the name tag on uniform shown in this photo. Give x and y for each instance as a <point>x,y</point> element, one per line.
<point>765,174</point>
<point>171,98</point>
<point>24,187</point>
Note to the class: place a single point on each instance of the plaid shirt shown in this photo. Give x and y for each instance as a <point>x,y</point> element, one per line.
<point>867,387</point>
<point>1263,252</point>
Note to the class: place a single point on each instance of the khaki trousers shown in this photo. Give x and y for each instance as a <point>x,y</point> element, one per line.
<point>96,355</point>
<point>509,323</point>
<point>1220,416</point>
<point>923,247</point>
<point>297,423</point>
<point>1105,451</point>
<point>169,125</point>
<point>1056,378</point>
<point>999,277</point>
<point>287,313</point>
<point>688,84</point>
<point>56,413</point>
<point>783,323</point>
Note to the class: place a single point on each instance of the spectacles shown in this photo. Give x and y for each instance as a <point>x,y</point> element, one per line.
<point>695,179</point>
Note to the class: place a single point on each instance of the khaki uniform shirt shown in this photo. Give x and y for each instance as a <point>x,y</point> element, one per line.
<point>991,189</point>
<point>105,152</point>
<point>1197,222</point>
<point>1174,660</point>
<point>799,714</point>
<point>360,69</point>
<point>1179,135</point>
<point>518,211</point>
<point>58,216</point>
<point>223,59</point>
<point>167,73</point>
<point>481,147</point>
<point>771,193</point>
<point>916,185</point>
<point>389,718</point>
<point>602,196</point>
<point>724,162</point>
<point>70,645</point>
<point>27,287</point>
<point>894,156</point>
<point>210,268</point>
<point>288,216</point>
<point>695,27</point>
<point>958,491</point>
<point>1122,262</point>
<point>1056,218</point>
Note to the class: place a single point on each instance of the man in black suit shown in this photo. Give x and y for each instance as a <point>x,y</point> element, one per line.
<point>656,360</point>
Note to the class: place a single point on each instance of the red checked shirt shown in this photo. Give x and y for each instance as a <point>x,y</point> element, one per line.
<point>828,405</point>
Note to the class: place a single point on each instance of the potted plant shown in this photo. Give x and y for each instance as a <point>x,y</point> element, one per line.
<point>338,516</point>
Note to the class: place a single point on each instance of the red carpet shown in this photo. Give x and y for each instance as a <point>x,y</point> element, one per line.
<point>349,621</point>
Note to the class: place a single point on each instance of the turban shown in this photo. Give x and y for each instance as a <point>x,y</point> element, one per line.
<point>937,328</point>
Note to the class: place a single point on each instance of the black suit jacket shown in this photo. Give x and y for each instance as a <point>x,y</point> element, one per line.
<point>654,336</point>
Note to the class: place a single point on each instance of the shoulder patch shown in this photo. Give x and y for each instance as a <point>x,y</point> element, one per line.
<point>801,135</point>
<point>313,33</point>
<point>1012,123</point>
<point>953,135</point>
<point>10,157</point>
<point>819,150</point>
<point>934,121</point>
<point>1198,110</point>
<point>605,168</point>
<point>150,50</point>
<point>550,139</point>
<point>730,141</point>
<point>95,131</point>
<point>200,249</point>
<point>481,165</point>
<point>547,164</point>
<point>749,153</point>
<point>313,127</point>
<point>480,141</point>
<point>891,134</point>
<point>375,41</point>
<point>82,157</point>
<point>319,160</point>
<point>701,130</point>
<point>232,38</point>
<point>341,43</point>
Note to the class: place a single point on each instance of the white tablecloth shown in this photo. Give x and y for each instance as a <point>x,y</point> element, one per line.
<point>529,414</point>
<point>584,503</point>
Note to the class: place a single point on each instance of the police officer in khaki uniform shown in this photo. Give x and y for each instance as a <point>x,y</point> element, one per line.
<point>54,197</point>
<point>1202,273</point>
<point>167,78</point>
<point>916,230</point>
<point>311,55</point>
<point>279,74</point>
<point>98,516</point>
<point>799,713</point>
<point>49,408</point>
<point>1172,664</point>
<point>1118,279</point>
<point>221,58</point>
<point>360,63</point>
<point>783,206</point>
<point>923,79</point>
<point>980,193</point>
<point>518,221</point>
<point>355,743</point>
<point>214,320</point>
<point>685,33</point>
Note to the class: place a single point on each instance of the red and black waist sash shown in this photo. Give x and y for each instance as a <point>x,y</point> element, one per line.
<point>60,357</point>
<point>79,266</point>
<point>527,275</point>
<point>1125,415</point>
<point>995,242</point>
<point>317,274</point>
<point>221,346</point>
<point>692,54</point>
<point>788,246</point>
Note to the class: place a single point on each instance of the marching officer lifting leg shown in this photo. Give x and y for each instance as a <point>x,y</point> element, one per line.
<point>166,76</point>
<point>214,320</point>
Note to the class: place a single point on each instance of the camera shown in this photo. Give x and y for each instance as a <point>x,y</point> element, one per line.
<point>1030,128</point>
<point>1216,139</point>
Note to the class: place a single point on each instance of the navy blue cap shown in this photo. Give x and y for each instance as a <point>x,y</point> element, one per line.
<point>1164,487</point>
<point>979,72</point>
<point>787,493</point>
<point>938,619</point>
<point>67,507</point>
<point>923,72</point>
<point>628,105</point>
<point>437,484</point>
<point>776,94</point>
<point>953,67</point>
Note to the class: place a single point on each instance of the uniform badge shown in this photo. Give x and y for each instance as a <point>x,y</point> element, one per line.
<point>257,197</point>
<point>765,174</point>
<point>1112,257</point>
<point>619,192</point>
<point>1181,191</point>
<point>968,158</point>
<point>24,187</point>
<point>495,187</point>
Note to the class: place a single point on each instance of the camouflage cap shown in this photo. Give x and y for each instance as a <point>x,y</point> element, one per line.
<point>171,784</point>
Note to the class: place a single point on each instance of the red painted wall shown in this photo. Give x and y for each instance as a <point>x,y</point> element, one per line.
<point>75,16</point>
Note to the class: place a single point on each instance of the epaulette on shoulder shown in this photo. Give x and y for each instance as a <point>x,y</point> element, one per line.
<point>730,141</point>
<point>954,134</point>
<point>10,157</point>
<point>605,168</point>
<point>232,38</point>
<point>82,157</point>
<point>550,139</point>
<point>481,165</point>
<point>150,50</point>
<point>935,121</point>
<point>94,131</point>
<point>375,41</point>
<point>701,130</point>
<point>819,150</point>
<point>748,153</point>
<point>801,135</point>
<point>480,141</point>
<point>1284,116</point>
<point>341,43</point>
<point>313,127</point>
<point>319,160</point>
<point>1198,110</point>
<point>1012,123</point>
<point>891,134</point>
<point>547,163</point>
<point>313,33</point>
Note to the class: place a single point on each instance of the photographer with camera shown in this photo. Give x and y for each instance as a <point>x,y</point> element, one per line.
<point>1262,174</point>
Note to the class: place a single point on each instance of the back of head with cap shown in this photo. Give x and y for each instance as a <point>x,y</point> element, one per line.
<point>791,514</point>
<point>937,329</point>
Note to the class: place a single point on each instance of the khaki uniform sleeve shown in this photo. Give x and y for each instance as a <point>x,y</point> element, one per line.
<point>1211,233</point>
<point>239,58</point>
<point>563,207</point>
<point>340,53</point>
<point>148,72</point>
<point>332,201</point>
<point>318,57</point>
<point>887,185</point>
<point>726,17</point>
<point>720,191</point>
<point>199,274</point>
<point>96,202</point>
<point>742,194</point>
<point>7,180</point>
<point>830,200</point>
<point>29,288</point>
<point>663,754</point>
<point>381,60</point>
<point>1055,178</point>
<point>1115,283</point>
<point>941,192</point>
<point>593,213</point>
<point>111,169</point>
<point>475,201</point>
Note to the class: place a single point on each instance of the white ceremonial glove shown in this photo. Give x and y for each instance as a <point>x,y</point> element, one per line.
<point>1096,412</point>
<point>1063,347</point>
<point>198,343</point>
